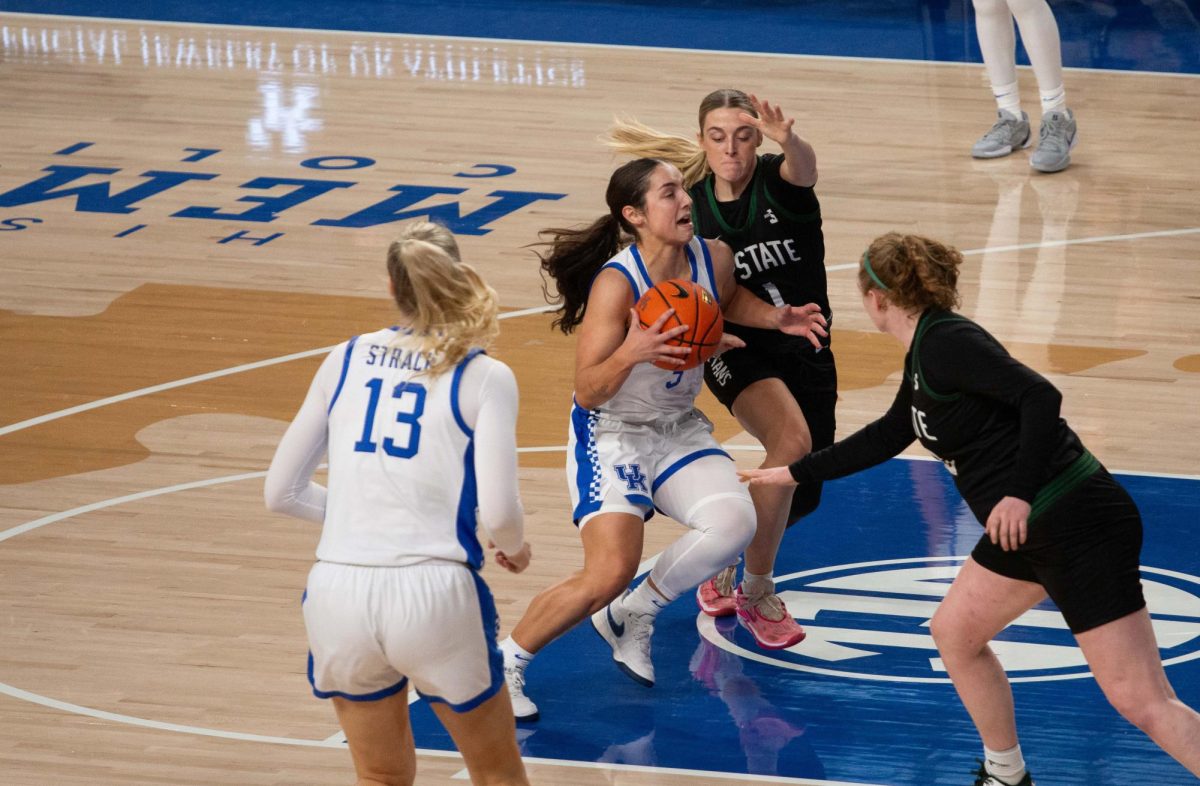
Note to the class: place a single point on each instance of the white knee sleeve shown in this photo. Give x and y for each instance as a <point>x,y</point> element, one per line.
<point>720,526</point>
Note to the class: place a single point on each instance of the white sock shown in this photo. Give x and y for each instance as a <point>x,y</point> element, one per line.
<point>1008,99</point>
<point>1008,766</point>
<point>515,654</point>
<point>755,585</point>
<point>1054,100</point>
<point>645,600</point>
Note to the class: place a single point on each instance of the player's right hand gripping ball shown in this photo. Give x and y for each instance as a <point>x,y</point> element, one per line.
<point>695,307</point>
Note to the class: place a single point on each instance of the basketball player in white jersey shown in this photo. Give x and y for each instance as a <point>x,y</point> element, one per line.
<point>636,441</point>
<point>420,430</point>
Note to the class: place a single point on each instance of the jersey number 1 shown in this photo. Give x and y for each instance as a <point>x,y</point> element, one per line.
<point>411,419</point>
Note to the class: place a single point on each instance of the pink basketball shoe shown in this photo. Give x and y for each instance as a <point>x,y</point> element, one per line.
<point>768,621</point>
<point>715,596</point>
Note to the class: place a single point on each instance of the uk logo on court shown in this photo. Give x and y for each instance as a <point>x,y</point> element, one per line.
<point>870,620</point>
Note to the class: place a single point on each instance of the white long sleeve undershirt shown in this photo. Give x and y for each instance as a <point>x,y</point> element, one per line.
<point>488,401</point>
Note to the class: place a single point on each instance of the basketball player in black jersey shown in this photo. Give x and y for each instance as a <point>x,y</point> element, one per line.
<point>782,391</point>
<point>1057,523</point>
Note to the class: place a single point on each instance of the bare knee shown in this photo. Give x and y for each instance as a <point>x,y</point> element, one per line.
<point>788,442</point>
<point>941,632</point>
<point>952,640</point>
<point>1139,711</point>
<point>1143,708</point>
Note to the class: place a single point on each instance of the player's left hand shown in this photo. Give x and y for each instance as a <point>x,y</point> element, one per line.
<point>772,476</point>
<point>806,320</point>
<point>515,562</point>
<point>1007,524</point>
<point>770,120</point>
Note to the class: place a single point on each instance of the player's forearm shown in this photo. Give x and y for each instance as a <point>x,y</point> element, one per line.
<point>288,487</point>
<point>799,162</point>
<point>307,502</point>
<point>500,511</point>
<point>746,309</point>
<point>597,384</point>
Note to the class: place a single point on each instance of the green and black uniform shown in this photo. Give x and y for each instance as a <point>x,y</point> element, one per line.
<point>995,424</point>
<point>774,229</point>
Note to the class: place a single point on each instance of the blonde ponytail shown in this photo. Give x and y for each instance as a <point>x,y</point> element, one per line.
<point>629,137</point>
<point>437,234</point>
<point>450,308</point>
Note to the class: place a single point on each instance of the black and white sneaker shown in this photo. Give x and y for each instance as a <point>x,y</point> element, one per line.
<point>985,778</point>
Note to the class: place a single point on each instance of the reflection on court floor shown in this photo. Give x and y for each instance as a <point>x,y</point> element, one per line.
<point>188,212</point>
<point>864,699</point>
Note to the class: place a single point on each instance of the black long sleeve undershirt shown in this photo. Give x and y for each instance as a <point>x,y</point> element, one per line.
<point>994,421</point>
<point>873,444</point>
<point>962,357</point>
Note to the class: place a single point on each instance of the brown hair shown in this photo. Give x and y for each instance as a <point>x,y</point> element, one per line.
<point>576,255</point>
<point>451,309</point>
<point>913,272</point>
<point>630,137</point>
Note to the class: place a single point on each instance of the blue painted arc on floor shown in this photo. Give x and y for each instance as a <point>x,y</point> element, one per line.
<point>864,699</point>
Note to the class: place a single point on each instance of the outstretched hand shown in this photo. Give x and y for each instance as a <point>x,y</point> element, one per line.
<point>770,120</point>
<point>772,476</point>
<point>649,345</point>
<point>806,320</point>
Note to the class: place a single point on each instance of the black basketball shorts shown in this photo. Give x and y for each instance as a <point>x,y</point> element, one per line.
<point>811,378</point>
<point>1084,550</point>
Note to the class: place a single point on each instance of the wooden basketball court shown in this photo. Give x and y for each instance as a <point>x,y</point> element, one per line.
<point>189,214</point>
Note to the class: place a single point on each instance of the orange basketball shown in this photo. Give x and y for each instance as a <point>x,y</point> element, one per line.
<point>695,307</point>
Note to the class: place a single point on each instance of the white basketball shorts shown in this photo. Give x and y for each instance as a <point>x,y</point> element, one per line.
<point>616,467</point>
<point>372,629</point>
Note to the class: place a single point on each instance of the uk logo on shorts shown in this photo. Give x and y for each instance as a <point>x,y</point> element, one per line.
<point>633,477</point>
<point>870,621</point>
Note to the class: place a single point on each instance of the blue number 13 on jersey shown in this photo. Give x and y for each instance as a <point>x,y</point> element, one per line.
<point>404,392</point>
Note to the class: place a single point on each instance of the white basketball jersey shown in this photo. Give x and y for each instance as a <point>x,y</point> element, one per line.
<point>401,464</point>
<point>649,392</point>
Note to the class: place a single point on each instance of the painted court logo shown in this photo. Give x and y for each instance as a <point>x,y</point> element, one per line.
<point>870,620</point>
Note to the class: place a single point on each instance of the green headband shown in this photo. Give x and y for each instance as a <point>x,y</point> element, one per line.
<point>871,272</point>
